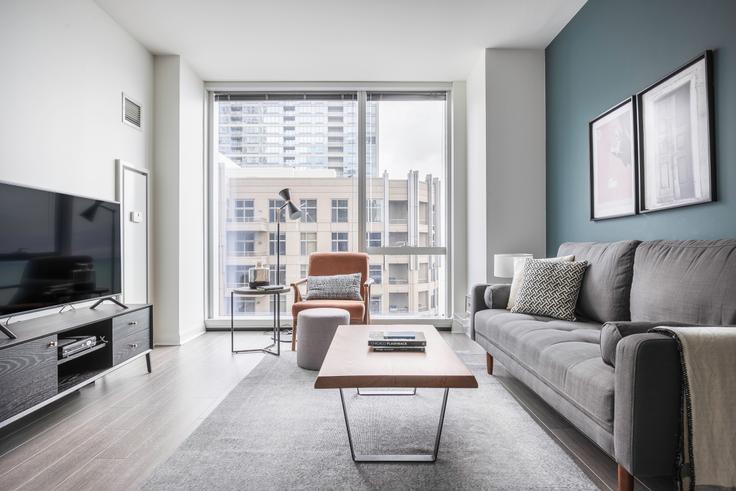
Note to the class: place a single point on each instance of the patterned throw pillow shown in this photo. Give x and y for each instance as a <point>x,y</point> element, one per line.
<point>550,288</point>
<point>518,278</point>
<point>336,287</point>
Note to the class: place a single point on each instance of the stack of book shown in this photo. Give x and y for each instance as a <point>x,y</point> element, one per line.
<point>387,341</point>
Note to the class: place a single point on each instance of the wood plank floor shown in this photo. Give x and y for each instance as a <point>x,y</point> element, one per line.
<point>111,435</point>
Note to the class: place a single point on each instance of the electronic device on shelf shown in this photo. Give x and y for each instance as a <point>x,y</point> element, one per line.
<point>75,344</point>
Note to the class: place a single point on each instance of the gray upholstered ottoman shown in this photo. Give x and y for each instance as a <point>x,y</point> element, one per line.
<point>316,329</point>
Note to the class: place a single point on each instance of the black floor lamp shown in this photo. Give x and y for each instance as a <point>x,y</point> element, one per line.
<point>294,214</point>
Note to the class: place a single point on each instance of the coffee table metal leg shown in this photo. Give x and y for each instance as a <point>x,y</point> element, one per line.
<point>372,392</point>
<point>388,458</point>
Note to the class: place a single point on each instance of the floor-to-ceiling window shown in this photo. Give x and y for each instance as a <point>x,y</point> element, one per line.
<point>376,184</point>
<point>409,173</point>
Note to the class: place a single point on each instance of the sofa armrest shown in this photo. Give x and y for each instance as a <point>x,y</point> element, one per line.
<point>497,296</point>
<point>499,300</point>
<point>477,303</point>
<point>646,423</point>
<point>613,332</point>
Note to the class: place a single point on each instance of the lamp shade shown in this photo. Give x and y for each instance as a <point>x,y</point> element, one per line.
<point>294,212</point>
<point>285,194</point>
<point>503,264</point>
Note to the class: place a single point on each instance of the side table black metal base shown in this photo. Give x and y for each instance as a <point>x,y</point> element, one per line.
<point>276,321</point>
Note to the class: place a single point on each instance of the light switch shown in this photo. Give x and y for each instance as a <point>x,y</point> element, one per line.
<point>136,216</point>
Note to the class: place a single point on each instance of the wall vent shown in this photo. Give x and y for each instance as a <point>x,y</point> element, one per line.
<point>132,112</point>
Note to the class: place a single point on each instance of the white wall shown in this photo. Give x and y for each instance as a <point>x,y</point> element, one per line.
<point>191,205</point>
<point>515,153</point>
<point>179,202</point>
<point>476,172</point>
<point>63,68</point>
<point>506,158</point>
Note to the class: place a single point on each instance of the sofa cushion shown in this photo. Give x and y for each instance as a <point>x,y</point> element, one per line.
<point>550,288</point>
<point>604,295</point>
<point>691,281</point>
<point>518,278</point>
<point>564,355</point>
<point>334,287</point>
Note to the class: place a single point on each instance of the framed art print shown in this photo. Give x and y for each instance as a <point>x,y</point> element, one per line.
<point>676,138</point>
<point>613,166</point>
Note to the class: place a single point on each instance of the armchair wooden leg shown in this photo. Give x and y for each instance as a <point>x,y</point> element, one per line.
<point>625,480</point>
<point>489,363</point>
<point>293,335</point>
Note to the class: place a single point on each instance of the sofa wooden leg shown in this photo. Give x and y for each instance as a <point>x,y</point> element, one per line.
<point>293,335</point>
<point>625,480</point>
<point>489,363</point>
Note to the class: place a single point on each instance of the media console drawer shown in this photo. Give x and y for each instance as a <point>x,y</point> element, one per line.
<point>126,324</point>
<point>129,346</point>
<point>27,375</point>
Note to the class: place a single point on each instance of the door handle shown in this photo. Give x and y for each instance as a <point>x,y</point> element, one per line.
<point>132,323</point>
<point>133,345</point>
<point>53,344</point>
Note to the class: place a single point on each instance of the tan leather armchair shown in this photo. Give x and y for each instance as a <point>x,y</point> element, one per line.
<point>332,263</point>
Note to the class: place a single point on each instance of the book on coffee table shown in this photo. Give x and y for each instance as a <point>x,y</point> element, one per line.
<point>390,339</point>
<point>405,349</point>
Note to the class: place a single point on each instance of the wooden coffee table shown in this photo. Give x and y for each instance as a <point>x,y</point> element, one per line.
<point>350,363</point>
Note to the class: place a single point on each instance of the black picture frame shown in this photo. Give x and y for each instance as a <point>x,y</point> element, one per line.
<point>595,214</point>
<point>707,58</point>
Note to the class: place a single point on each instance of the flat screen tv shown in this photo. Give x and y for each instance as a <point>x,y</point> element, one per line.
<point>56,249</point>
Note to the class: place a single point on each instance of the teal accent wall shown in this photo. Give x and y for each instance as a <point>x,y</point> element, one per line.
<point>609,51</point>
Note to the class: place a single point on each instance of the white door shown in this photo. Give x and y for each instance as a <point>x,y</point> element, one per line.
<point>133,196</point>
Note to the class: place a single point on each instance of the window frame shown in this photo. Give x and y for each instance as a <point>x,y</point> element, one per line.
<point>212,245</point>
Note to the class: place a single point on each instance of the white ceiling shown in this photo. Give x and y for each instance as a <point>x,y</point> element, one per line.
<point>338,40</point>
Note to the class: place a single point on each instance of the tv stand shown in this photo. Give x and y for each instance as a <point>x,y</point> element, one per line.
<point>111,299</point>
<point>31,373</point>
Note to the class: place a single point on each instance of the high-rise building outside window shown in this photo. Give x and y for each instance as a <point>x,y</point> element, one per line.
<point>243,210</point>
<point>309,210</point>
<point>339,242</point>
<point>339,211</point>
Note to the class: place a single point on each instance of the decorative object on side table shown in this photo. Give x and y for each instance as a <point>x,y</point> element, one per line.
<point>258,276</point>
<point>613,164</point>
<point>676,138</point>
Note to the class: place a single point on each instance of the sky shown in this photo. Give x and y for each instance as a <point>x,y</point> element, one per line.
<point>411,136</point>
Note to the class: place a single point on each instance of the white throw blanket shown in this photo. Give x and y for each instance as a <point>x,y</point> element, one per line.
<point>708,356</point>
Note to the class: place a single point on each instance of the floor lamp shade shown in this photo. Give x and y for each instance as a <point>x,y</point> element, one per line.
<point>503,264</point>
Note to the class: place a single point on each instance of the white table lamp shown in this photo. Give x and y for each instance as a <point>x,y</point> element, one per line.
<point>503,264</point>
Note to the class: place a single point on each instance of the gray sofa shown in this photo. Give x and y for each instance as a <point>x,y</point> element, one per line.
<point>630,410</point>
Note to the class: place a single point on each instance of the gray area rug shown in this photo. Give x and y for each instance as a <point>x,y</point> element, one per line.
<point>275,431</point>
